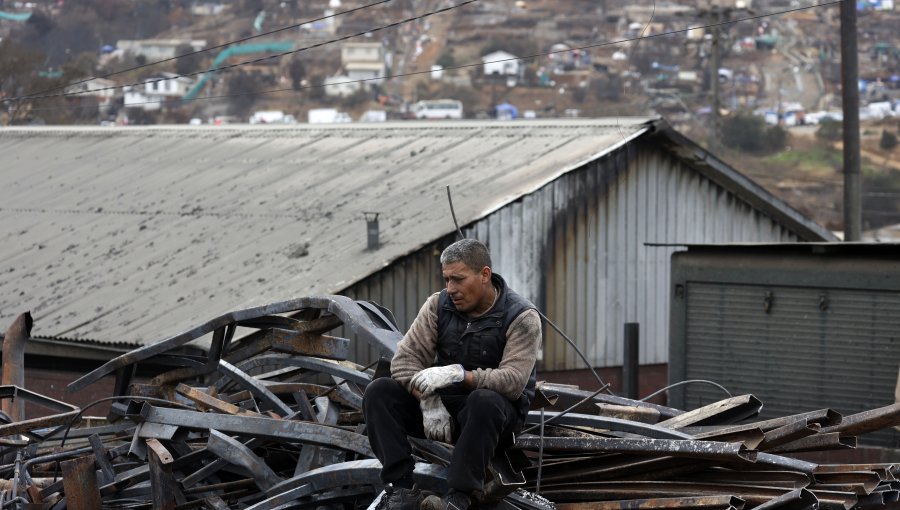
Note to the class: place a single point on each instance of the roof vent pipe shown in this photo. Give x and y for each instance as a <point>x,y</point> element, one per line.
<point>372,241</point>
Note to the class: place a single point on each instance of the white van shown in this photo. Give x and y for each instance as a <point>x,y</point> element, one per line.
<point>438,109</point>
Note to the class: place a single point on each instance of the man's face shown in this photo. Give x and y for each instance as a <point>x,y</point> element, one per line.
<point>465,286</point>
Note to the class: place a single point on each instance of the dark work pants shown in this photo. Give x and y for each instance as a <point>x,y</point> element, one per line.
<point>481,419</point>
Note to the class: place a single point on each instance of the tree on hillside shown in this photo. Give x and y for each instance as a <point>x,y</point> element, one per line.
<point>190,63</point>
<point>297,71</point>
<point>243,88</point>
<point>749,133</point>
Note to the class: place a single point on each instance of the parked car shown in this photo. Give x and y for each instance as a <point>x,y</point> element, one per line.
<point>438,109</point>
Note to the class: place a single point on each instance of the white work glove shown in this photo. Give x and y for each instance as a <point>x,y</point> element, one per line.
<point>431,379</point>
<point>436,419</point>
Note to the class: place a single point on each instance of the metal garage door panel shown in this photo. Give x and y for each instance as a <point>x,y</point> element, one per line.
<point>796,348</point>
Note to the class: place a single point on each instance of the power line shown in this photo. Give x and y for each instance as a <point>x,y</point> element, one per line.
<point>248,62</point>
<point>461,66</point>
<point>204,50</point>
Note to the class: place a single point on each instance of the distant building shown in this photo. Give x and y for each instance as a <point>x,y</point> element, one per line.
<point>102,89</point>
<point>500,62</point>
<point>157,90</point>
<point>363,61</point>
<point>157,49</point>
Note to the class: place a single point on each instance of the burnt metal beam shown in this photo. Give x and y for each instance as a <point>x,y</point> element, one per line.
<point>604,422</point>
<point>254,386</point>
<point>719,502</point>
<point>251,426</point>
<point>80,484</point>
<point>728,410</point>
<point>353,317</point>
<point>674,448</point>
<point>238,454</point>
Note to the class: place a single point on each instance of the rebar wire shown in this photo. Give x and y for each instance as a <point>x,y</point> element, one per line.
<point>603,385</point>
<point>689,381</point>
<point>565,412</point>
<point>453,213</point>
<point>537,487</point>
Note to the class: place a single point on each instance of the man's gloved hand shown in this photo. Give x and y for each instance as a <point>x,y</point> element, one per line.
<point>431,379</point>
<point>436,419</point>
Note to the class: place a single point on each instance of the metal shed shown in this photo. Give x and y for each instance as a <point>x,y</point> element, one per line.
<point>801,326</point>
<point>131,235</point>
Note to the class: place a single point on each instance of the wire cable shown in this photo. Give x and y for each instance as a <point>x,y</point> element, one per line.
<point>254,61</point>
<point>204,50</point>
<point>689,381</point>
<point>603,385</point>
<point>449,68</point>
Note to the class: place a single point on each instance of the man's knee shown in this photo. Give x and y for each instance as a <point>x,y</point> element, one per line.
<point>382,390</point>
<point>486,401</point>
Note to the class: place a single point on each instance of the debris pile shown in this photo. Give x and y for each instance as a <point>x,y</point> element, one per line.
<point>273,420</point>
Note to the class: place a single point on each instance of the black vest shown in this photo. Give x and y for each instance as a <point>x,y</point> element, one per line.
<point>479,342</point>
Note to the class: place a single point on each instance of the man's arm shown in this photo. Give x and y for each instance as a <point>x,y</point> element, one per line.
<point>417,349</point>
<point>523,339</point>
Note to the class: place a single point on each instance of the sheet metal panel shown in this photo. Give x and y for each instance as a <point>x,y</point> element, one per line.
<point>132,235</point>
<point>586,263</point>
<point>796,357</point>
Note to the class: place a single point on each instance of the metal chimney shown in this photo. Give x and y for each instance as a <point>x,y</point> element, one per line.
<point>372,241</point>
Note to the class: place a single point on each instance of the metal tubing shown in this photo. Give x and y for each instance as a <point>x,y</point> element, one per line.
<point>868,421</point>
<point>800,498</point>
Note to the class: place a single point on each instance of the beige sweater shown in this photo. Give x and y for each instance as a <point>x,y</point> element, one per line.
<point>418,350</point>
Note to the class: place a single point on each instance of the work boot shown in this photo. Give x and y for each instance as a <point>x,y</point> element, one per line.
<point>454,500</point>
<point>398,498</point>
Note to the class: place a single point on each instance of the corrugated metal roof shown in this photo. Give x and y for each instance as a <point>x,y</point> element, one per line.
<point>136,234</point>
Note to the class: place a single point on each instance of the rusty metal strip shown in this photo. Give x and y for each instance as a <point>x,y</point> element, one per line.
<point>254,386</point>
<point>359,472</point>
<point>868,421</point>
<point>785,479</point>
<point>794,500</point>
<point>566,396</point>
<point>883,470</point>
<point>674,448</point>
<point>728,410</point>
<point>211,402</point>
<point>632,413</point>
<point>603,422</point>
<point>306,344</point>
<point>350,314</point>
<point>818,442</point>
<point>164,487</point>
<point>822,417</point>
<point>751,438</point>
<point>80,484</point>
<point>238,454</point>
<point>719,502</point>
<point>789,433</point>
<point>102,458</point>
<point>314,364</point>
<point>251,426</point>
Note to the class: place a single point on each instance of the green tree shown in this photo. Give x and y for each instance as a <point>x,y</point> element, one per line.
<point>749,133</point>
<point>888,141</point>
<point>297,71</point>
<point>190,63</point>
<point>829,130</point>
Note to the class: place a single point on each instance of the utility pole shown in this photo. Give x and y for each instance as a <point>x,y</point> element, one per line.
<point>850,100</point>
<point>716,19</point>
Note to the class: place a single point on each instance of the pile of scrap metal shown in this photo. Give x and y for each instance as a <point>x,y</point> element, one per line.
<point>271,420</point>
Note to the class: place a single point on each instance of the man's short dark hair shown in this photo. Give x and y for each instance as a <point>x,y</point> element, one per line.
<point>471,252</point>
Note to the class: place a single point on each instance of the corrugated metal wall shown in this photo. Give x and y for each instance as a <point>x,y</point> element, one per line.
<point>811,348</point>
<point>576,247</point>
